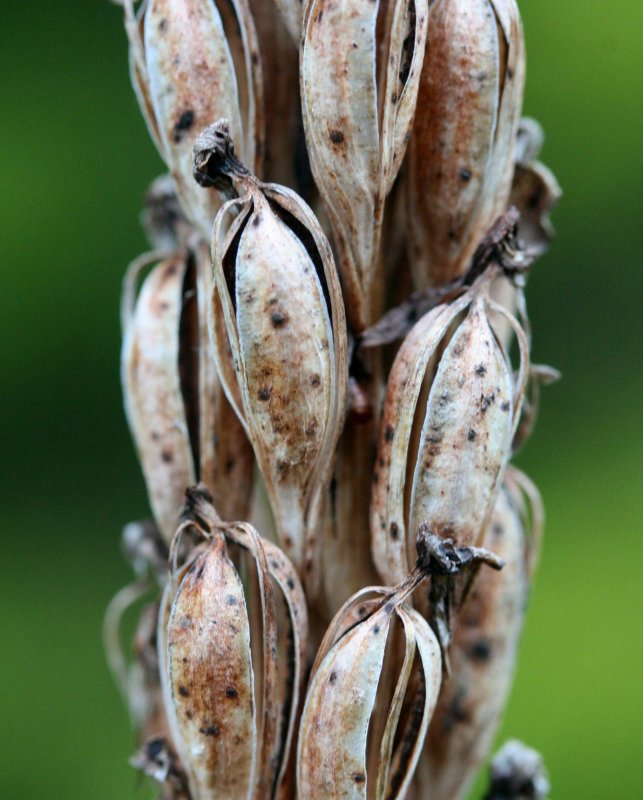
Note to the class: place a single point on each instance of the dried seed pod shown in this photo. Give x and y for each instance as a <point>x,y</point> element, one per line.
<point>451,409</point>
<point>336,733</point>
<point>483,652</point>
<point>181,422</point>
<point>233,688</point>
<point>461,153</point>
<point>291,11</point>
<point>357,124</point>
<point>279,339</point>
<point>193,61</point>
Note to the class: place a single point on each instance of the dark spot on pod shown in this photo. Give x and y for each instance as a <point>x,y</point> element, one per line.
<point>166,456</point>
<point>199,574</point>
<point>389,607</point>
<point>389,433</point>
<point>452,235</point>
<point>229,463</point>
<point>359,777</point>
<point>485,401</point>
<point>471,435</point>
<point>457,713</point>
<point>278,319</point>
<point>481,650</point>
<point>445,397</point>
<point>184,691</point>
<point>497,529</point>
<point>264,393</point>
<point>361,611</point>
<point>254,57</point>
<point>184,123</point>
<point>283,467</point>
<point>210,730</point>
<point>155,436</point>
<point>533,201</point>
<point>319,16</point>
<point>394,98</point>
<point>510,73</point>
<point>336,137</point>
<point>164,306</point>
<point>231,692</point>
<point>154,747</point>
<point>256,220</point>
<point>290,583</point>
<point>505,406</point>
<point>308,566</point>
<point>481,369</point>
<point>163,25</point>
<point>189,714</point>
<point>394,530</point>
<point>465,175</point>
<point>231,600</point>
<point>376,630</point>
<point>332,677</point>
<point>315,380</point>
<point>274,564</point>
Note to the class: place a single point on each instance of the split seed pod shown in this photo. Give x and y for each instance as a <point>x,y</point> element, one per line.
<point>461,153</point>
<point>192,61</point>
<point>279,339</point>
<point>484,648</point>
<point>181,422</point>
<point>364,720</point>
<point>357,109</point>
<point>451,409</point>
<point>233,681</point>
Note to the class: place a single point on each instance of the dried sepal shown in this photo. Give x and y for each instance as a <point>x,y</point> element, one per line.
<point>451,409</point>
<point>461,153</point>
<point>193,61</point>
<point>345,690</point>
<point>483,651</point>
<point>233,725</point>
<point>357,124</point>
<point>279,339</point>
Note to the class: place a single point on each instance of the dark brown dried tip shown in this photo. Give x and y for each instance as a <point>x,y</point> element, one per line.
<point>198,506</point>
<point>518,773</point>
<point>157,760</point>
<point>214,159</point>
<point>437,556</point>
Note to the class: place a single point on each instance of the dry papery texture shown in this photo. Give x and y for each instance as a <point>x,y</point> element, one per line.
<point>326,372</point>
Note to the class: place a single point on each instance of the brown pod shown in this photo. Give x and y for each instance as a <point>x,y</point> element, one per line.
<point>483,651</point>
<point>193,61</point>
<point>357,123</point>
<point>232,681</point>
<point>461,153</point>
<point>279,339</point>
<point>451,409</point>
<point>341,753</point>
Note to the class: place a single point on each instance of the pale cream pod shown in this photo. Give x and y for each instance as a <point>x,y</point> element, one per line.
<point>451,409</point>
<point>193,61</point>
<point>341,753</point>
<point>462,149</point>
<point>232,682</point>
<point>357,124</point>
<point>484,648</point>
<point>279,338</point>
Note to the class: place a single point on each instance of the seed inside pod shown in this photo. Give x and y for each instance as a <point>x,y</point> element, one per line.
<point>279,334</point>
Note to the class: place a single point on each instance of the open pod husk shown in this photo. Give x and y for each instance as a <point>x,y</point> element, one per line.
<point>358,105</point>
<point>183,427</point>
<point>279,337</point>
<point>462,149</point>
<point>451,409</point>
<point>484,648</point>
<point>191,62</point>
<point>233,662</point>
<point>369,701</point>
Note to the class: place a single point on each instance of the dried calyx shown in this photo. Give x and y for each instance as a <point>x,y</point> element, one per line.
<point>279,336</point>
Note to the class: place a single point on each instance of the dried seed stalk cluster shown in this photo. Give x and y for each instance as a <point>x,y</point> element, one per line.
<point>326,382</point>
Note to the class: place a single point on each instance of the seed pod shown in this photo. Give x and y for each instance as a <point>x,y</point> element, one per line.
<point>345,691</point>
<point>279,339</point>
<point>193,61</point>
<point>461,153</point>
<point>443,450</point>
<point>291,11</point>
<point>182,425</point>
<point>483,653</point>
<point>233,725</point>
<point>357,124</point>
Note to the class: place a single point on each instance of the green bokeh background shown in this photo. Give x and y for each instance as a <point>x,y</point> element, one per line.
<point>75,160</point>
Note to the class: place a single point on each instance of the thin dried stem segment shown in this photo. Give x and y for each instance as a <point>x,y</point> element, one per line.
<point>451,409</point>
<point>182,425</point>
<point>359,92</point>
<point>234,662</point>
<point>193,61</point>
<point>461,153</point>
<point>483,653</point>
<point>361,734</point>
<point>279,340</point>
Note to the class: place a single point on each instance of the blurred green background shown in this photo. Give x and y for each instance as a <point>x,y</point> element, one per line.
<point>75,162</point>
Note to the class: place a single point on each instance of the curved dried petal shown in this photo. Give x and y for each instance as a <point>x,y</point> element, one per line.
<point>152,389</point>
<point>211,678</point>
